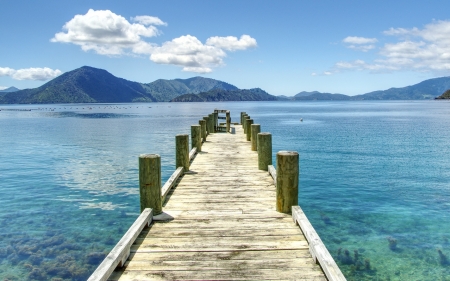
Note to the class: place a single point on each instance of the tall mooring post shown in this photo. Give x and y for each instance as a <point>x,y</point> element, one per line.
<point>182,151</point>
<point>203,129</point>
<point>287,180</point>
<point>255,130</point>
<point>244,117</point>
<point>196,137</point>
<point>206,118</point>
<point>248,128</point>
<point>228,119</point>
<point>150,182</point>
<point>264,148</point>
<point>211,123</point>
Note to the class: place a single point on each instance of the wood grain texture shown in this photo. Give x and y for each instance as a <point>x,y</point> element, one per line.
<point>287,180</point>
<point>196,137</point>
<point>224,224</point>
<point>248,129</point>
<point>255,130</point>
<point>203,129</point>
<point>264,149</point>
<point>150,182</point>
<point>182,152</point>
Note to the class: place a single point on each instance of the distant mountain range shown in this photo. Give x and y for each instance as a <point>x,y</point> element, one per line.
<point>92,85</point>
<point>428,89</point>
<point>8,90</point>
<point>227,95</point>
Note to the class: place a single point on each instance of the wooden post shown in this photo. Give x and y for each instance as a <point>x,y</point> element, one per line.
<point>211,123</point>
<point>216,120</point>
<point>228,121</point>
<point>182,151</point>
<point>255,130</point>
<point>196,137</point>
<point>287,180</point>
<point>150,182</point>
<point>243,120</point>
<point>206,118</point>
<point>246,117</point>
<point>203,129</point>
<point>264,147</point>
<point>249,129</point>
<point>242,117</point>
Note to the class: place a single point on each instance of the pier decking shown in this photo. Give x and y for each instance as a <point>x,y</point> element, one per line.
<point>220,223</point>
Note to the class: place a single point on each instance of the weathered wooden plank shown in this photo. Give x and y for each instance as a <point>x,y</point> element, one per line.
<point>219,256</point>
<point>192,153</point>
<point>303,263</point>
<point>236,274</point>
<point>317,248</point>
<point>225,232</point>
<point>119,254</point>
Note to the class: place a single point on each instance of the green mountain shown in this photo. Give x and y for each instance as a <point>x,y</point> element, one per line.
<point>166,90</point>
<point>227,95</point>
<point>90,85</point>
<point>82,85</point>
<point>444,96</point>
<point>428,89</point>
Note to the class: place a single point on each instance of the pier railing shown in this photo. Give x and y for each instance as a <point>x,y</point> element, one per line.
<point>153,195</point>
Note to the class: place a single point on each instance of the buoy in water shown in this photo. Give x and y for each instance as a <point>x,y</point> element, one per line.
<point>301,119</point>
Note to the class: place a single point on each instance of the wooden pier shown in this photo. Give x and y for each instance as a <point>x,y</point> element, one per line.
<point>219,222</point>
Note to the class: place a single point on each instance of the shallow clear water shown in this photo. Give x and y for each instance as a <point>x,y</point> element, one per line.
<point>374,178</point>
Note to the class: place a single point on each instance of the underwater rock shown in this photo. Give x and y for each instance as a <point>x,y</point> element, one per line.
<point>392,243</point>
<point>325,219</point>
<point>95,258</point>
<point>37,274</point>
<point>443,260</point>
<point>367,264</point>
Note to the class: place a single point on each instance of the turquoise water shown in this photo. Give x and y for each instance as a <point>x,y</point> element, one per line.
<point>374,180</point>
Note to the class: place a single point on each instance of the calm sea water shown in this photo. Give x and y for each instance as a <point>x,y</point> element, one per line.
<point>374,180</point>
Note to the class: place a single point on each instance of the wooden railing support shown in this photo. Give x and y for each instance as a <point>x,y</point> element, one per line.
<point>196,137</point>
<point>255,130</point>
<point>264,148</point>
<point>287,180</point>
<point>182,151</point>
<point>150,182</point>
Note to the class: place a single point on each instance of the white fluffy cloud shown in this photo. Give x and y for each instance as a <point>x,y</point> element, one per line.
<point>107,33</point>
<point>6,71</point>
<point>231,43</point>
<point>360,43</point>
<point>40,74</point>
<point>426,49</point>
<point>194,56</point>
<point>148,20</point>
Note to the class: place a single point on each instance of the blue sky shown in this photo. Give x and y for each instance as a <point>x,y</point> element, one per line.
<point>283,47</point>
